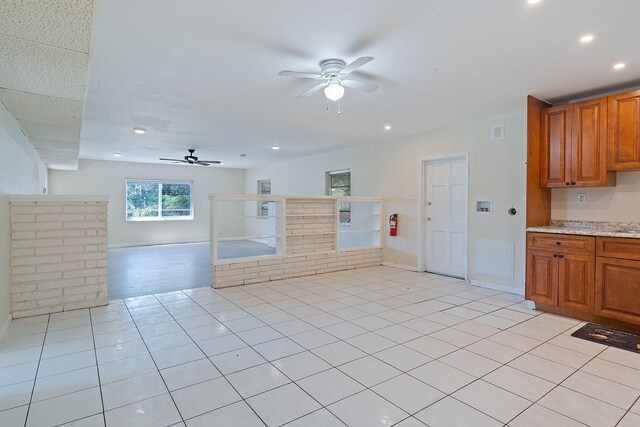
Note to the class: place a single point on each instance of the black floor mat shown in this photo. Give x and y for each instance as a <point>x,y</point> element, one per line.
<point>609,336</point>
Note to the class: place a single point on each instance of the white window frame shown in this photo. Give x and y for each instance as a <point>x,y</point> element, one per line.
<point>160,182</point>
<point>330,192</point>
<point>262,204</point>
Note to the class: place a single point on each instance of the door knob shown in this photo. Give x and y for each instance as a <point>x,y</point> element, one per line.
<point>428,218</point>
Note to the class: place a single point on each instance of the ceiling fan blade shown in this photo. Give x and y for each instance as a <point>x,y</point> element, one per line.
<point>356,64</point>
<point>357,84</point>
<point>172,160</point>
<point>202,163</point>
<point>287,73</point>
<point>312,90</point>
<point>215,162</point>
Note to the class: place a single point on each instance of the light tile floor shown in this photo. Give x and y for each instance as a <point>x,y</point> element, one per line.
<point>376,346</point>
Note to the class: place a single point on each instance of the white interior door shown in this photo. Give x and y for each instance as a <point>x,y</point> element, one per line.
<point>445,216</point>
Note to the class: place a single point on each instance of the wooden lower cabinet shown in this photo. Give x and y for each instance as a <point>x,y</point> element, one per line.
<point>617,292</point>
<point>542,277</point>
<point>561,270</point>
<point>576,276</point>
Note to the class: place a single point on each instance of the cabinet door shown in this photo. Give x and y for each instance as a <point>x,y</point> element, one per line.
<point>576,275</point>
<point>589,144</point>
<point>623,136</point>
<point>542,277</point>
<point>555,148</point>
<point>618,289</point>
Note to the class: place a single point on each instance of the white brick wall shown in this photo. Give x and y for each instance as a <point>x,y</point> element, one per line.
<point>310,225</point>
<point>244,273</point>
<point>58,253</point>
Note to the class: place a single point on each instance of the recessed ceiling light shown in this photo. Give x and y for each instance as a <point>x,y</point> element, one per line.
<point>387,127</point>
<point>586,38</point>
<point>533,1</point>
<point>275,147</point>
<point>619,66</point>
<point>117,154</point>
<point>139,131</point>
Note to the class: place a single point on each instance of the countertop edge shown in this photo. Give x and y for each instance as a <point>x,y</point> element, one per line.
<point>583,232</point>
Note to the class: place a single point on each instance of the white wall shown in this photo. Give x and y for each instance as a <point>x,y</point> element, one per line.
<point>618,204</point>
<point>497,171</point>
<point>21,172</point>
<point>108,178</point>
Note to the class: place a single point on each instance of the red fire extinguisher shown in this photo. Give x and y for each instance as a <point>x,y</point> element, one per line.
<point>393,225</point>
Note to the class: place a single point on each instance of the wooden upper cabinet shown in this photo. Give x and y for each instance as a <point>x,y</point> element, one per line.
<point>623,145</point>
<point>589,144</point>
<point>574,144</point>
<point>555,166</point>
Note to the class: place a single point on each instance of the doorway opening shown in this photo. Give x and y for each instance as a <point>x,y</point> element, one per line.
<point>443,215</point>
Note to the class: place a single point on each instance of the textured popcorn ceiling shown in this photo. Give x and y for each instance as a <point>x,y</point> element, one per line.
<point>62,23</point>
<point>42,108</point>
<point>50,131</point>
<point>45,70</point>
<point>44,46</point>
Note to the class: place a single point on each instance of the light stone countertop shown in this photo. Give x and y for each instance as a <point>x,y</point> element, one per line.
<point>591,228</point>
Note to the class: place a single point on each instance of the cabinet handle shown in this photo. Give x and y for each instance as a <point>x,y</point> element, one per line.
<point>573,183</point>
<point>558,243</point>
<point>560,256</point>
<point>567,183</point>
<point>555,255</point>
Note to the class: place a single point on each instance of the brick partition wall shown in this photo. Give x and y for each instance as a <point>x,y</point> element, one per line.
<point>58,253</point>
<point>247,272</point>
<point>309,230</point>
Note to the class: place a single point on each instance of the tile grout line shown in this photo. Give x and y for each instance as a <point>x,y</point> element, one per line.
<point>366,355</point>
<point>95,354</point>
<point>397,344</point>
<point>628,410</point>
<point>460,348</point>
<point>210,361</point>
<point>558,384</point>
<point>35,378</point>
<point>343,320</point>
<point>157,369</point>
<point>447,326</point>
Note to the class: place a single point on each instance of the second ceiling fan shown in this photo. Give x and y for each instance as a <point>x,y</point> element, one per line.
<point>334,76</point>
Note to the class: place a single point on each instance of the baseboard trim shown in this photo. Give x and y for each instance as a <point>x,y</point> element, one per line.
<point>130,245</point>
<point>401,266</point>
<point>5,326</point>
<point>496,287</point>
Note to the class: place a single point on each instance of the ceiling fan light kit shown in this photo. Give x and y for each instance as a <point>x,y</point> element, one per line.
<point>334,77</point>
<point>334,91</point>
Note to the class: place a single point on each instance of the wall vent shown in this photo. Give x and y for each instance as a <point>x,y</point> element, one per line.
<point>497,132</point>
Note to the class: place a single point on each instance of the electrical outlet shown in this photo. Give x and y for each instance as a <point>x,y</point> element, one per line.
<point>582,198</point>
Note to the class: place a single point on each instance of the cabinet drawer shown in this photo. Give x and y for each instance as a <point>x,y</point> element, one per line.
<point>561,243</point>
<point>618,289</point>
<point>617,247</point>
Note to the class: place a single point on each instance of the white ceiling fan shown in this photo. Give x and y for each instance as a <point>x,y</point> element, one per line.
<point>335,76</point>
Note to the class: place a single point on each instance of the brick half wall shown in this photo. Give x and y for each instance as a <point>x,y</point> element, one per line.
<point>58,253</point>
<point>247,272</point>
